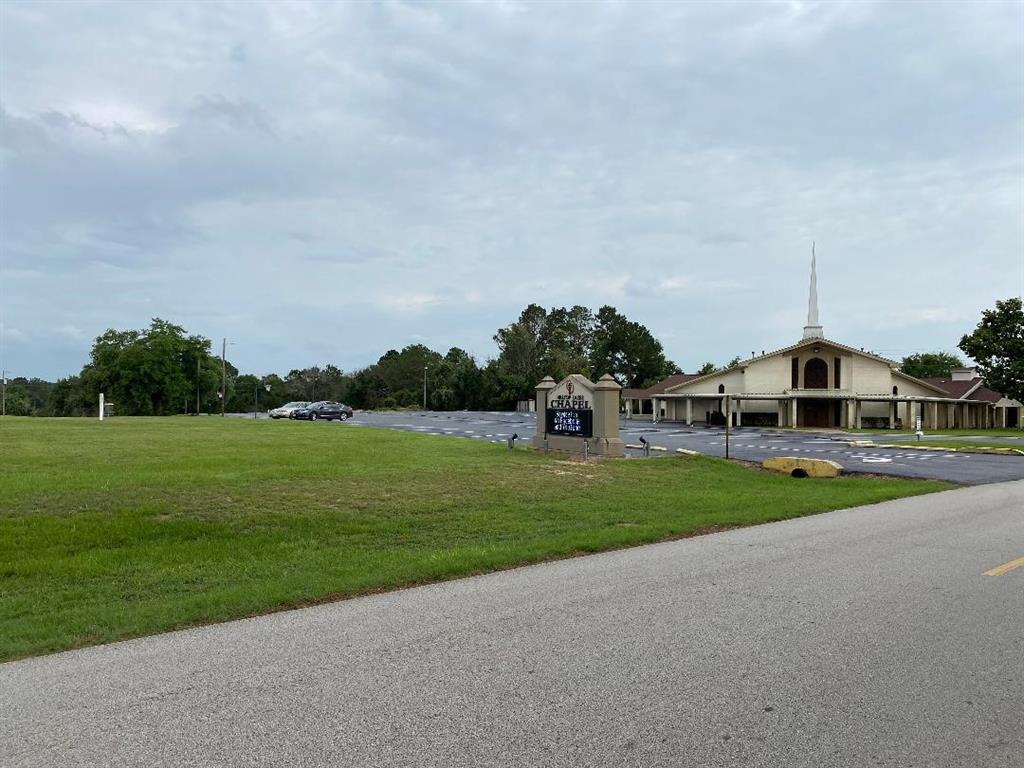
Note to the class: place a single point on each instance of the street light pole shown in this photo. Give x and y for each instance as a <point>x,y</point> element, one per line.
<point>425,387</point>
<point>223,375</point>
<point>3,375</point>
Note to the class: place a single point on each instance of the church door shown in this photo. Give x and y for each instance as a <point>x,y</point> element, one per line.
<point>816,413</point>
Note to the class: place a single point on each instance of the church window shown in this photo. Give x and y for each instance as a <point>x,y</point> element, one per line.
<point>816,374</point>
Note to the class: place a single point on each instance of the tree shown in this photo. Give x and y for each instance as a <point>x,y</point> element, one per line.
<point>521,351</point>
<point>17,402</point>
<point>997,346</point>
<point>707,368</point>
<point>930,365</point>
<point>151,372</point>
<point>69,398</point>
<point>627,350</point>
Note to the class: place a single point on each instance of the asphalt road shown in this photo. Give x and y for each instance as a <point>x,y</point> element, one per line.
<point>865,637</point>
<point>750,444</point>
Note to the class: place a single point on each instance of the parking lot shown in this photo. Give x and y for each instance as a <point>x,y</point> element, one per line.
<point>749,444</point>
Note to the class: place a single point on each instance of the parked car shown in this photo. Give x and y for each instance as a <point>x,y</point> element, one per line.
<point>285,411</point>
<point>324,409</point>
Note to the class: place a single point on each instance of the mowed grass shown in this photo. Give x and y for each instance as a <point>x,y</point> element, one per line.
<point>133,526</point>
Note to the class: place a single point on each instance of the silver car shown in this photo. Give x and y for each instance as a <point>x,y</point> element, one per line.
<point>286,410</point>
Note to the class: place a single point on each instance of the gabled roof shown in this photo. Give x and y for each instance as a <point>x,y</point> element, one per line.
<point>973,389</point>
<point>659,389</point>
<point>799,345</point>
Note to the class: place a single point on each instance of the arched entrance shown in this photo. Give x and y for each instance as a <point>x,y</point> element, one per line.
<point>816,413</point>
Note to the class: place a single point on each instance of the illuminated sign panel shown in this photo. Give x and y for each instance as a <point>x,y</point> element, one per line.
<point>572,422</point>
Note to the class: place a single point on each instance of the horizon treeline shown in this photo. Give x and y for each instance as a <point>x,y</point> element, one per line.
<point>163,370</point>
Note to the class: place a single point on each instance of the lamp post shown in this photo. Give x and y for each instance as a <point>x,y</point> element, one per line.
<point>223,375</point>
<point>425,387</point>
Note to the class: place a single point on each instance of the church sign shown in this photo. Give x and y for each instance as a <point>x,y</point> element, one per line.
<point>570,408</point>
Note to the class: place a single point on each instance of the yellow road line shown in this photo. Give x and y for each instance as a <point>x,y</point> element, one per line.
<point>999,570</point>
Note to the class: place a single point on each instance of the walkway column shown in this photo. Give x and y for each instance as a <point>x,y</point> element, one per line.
<point>654,410</point>
<point>892,414</point>
<point>933,421</point>
<point>792,412</point>
<point>780,408</point>
<point>689,411</point>
<point>739,412</point>
<point>908,421</point>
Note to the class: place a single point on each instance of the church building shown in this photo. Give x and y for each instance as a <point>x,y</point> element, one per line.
<point>815,382</point>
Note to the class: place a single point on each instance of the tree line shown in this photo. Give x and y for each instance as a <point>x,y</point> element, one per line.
<point>163,370</point>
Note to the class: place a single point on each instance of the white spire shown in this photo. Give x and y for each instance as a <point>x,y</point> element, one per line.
<point>813,328</point>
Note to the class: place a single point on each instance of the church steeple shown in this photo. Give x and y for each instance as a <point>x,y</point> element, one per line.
<point>813,328</point>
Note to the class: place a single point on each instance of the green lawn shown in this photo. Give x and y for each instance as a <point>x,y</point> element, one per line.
<point>133,526</point>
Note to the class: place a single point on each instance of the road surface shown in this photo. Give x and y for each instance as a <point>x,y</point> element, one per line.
<point>865,637</point>
<point>748,443</point>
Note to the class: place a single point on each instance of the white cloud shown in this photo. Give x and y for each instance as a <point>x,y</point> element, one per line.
<point>373,171</point>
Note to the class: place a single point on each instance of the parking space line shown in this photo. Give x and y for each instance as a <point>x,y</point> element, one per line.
<point>1005,568</point>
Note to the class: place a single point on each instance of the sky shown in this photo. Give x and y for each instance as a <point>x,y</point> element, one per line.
<point>321,182</point>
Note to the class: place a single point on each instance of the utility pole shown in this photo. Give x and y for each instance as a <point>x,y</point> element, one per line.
<point>223,375</point>
<point>199,379</point>
<point>3,375</point>
<point>425,387</point>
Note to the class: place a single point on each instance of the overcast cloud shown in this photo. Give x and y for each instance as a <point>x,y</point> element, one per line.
<point>321,182</point>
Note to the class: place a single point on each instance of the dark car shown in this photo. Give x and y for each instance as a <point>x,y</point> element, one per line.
<point>324,409</point>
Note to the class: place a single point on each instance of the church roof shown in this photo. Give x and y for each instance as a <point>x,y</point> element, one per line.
<point>961,389</point>
<point>810,342</point>
<point>659,388</point>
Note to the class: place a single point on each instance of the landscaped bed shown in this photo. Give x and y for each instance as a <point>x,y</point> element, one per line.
<point>133,526</point>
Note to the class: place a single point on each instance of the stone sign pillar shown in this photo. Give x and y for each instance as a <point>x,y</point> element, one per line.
<point>578,416</point>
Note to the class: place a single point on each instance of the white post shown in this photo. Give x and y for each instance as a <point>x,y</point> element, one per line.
<point>101,406</point>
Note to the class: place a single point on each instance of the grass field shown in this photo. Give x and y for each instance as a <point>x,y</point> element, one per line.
<point>133,526</point>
